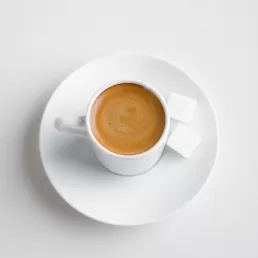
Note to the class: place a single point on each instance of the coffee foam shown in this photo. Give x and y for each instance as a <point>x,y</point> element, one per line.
<point>127,119</point>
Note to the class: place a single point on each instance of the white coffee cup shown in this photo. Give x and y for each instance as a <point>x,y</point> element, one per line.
<point>128,165</point>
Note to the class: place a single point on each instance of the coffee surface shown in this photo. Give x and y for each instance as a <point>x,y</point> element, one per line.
<point>127,119</point>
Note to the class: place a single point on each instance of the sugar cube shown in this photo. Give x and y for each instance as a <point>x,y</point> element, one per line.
<point>183,140</point>
<point>181,108</point>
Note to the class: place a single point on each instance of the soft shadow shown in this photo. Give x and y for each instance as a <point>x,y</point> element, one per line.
<point>40,186</point>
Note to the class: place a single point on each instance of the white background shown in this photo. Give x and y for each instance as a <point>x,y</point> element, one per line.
<point>42,41</point>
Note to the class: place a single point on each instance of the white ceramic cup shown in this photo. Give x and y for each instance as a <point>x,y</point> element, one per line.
<point>128,165</point>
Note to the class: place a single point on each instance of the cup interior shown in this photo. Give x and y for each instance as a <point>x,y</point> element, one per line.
<point>145,86</point>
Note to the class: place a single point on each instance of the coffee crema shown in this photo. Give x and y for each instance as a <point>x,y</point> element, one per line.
<point>127,119</point>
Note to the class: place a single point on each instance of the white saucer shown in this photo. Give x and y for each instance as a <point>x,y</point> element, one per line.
<point>99,194</point>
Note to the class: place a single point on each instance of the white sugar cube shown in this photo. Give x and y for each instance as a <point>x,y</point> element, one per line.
<point>181,108</point>
<point>183,140</point>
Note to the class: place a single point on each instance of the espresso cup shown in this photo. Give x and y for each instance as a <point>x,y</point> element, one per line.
<point>128,165</point>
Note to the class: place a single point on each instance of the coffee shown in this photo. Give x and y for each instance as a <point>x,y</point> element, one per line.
<point>127,119</point>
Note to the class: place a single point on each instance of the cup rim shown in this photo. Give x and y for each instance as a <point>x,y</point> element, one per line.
<point>145,85</point>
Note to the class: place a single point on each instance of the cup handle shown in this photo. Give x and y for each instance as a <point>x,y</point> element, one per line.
<point>72,125</point>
